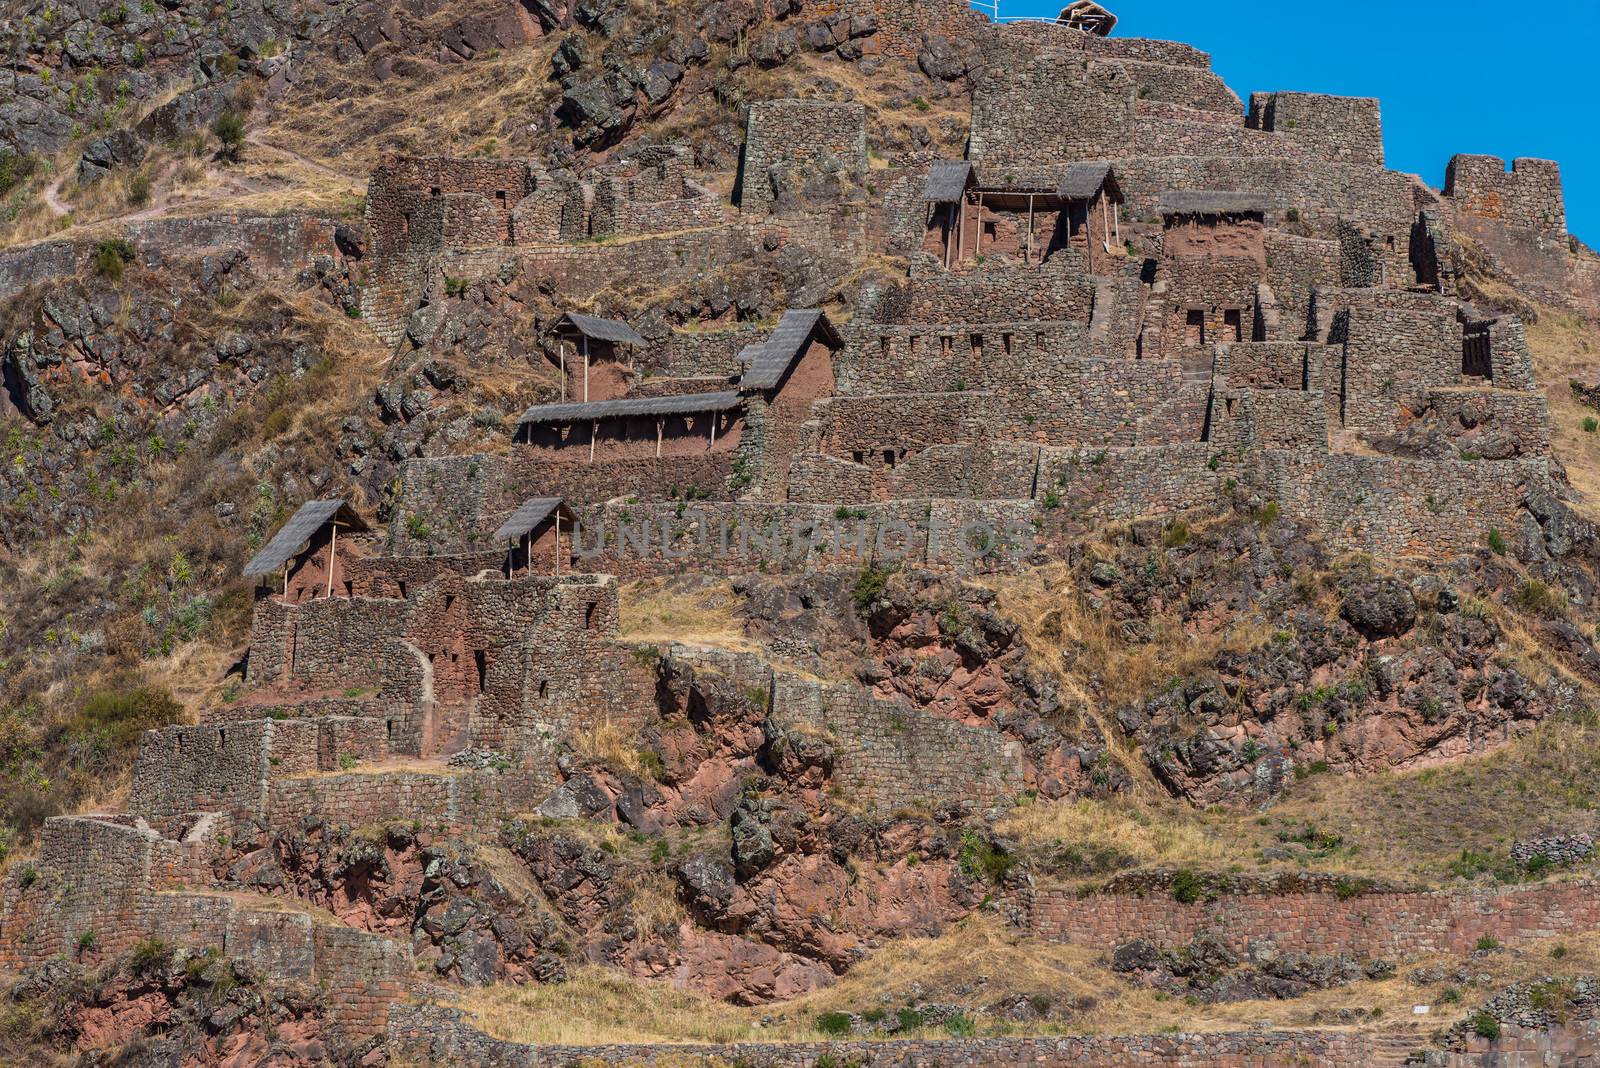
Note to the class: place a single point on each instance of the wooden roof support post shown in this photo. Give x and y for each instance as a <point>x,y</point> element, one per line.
<point>561,347</point>
<point>586,368</point>
<point>594,429</point>
<point>1027,257</point>
<point>1105,228</point>
<point>333,547</point>
<point>558,547</point>
<point>977,234</point>
<point>660,424</point>
<point>713,430</point>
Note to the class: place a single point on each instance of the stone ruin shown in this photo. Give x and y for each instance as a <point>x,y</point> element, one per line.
<point>1133,297</point>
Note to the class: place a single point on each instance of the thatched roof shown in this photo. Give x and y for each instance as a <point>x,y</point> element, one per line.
<point>1089,17</point>
<point>1212,202</point>
<point>947,181</point>
<point>529,515</point>
<point>300,528</point>
<point>1084,180</point>
<point>596,329</point>
<point>770,359</point>
<point>681,404</point>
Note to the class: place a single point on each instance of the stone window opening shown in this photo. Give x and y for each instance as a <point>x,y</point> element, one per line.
<point>1194,327</point>
<point>911,345</point>
<point>859,456</point>
<point>889,458</point>
<point>401,583</point>
<point>434,191</point>
<point>349,589</point>
<point>883,346</point>
<point>588,615</point>
<point>946,343</point>
<point>480,659</point>
<point>500,198</point>
<point>222,739</point>
<point>1005,343</point>
<point>177,743</point>
<point>1233,324</point>
<point>544,688</point>
<point>449,601</point>
<point>388,727</point>
<point>977,346</point>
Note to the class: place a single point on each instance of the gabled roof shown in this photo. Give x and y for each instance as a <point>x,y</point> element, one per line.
<point>299,530</point>
<point>529,515</point>
<point>769,360</point>
<point>1212,202</point>
<point>681,404</point>
<point>947,181</point>
<point>1084,180</point>
<point>1088,16</point>
<point>597,329</point>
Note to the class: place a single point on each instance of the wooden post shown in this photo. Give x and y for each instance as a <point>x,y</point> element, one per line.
<point>333,546</point>
<point>561,347</point>
<point>952,234</point>
<point>286,580</point>
<point>558,545</point>
<point>586,369</point>
<point>1105,229</point>
<point>1116,226</point>
<point>659,424</point>
<point>594,428</point>
<point>1027,257</point>
<point>713,431</point>
<point>977,237</point>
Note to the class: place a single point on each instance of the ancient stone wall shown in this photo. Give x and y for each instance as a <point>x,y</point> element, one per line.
<point>803,135</point>
<point>1390,355</point>
<point>889,755</point>
<point>1367,926</point>
<point>1341,128</point>
<point>439,1036</point>
<point>1052,107</point>
<point>902,24</point>
<point>1527,197</point>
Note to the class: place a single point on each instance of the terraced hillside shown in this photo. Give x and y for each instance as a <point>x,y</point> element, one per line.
<point>789,534</point>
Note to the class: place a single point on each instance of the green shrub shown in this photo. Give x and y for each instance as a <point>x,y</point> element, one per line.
<point>1488,943</point>
<point>1176,534</point>
<point>869,586</point>
<point>983,859</point>
<point>1187,887</point>
<point>1495,542</point>
<point>139,190</point>
<point>417,527</point>
<point>961,1026</point>
<point>149,955</point>
<point>1485,1025</point>
<point>119,717</point>
<point>1538,598</point>
<point>1590,424</point>
<point>910,1019</point>
<point>834,1024</point>
<point>110,256</point>
<point>229,132</point>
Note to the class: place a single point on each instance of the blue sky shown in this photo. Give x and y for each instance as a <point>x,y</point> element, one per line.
<point>1463,76</point>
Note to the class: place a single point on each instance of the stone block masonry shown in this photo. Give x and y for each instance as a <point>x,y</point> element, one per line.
<point>1339,128</point>
<point>440,1037</point>
<point>805,136</point>
<point>1367,926</point>
<point>889,755</point>
<point>1526,197</point>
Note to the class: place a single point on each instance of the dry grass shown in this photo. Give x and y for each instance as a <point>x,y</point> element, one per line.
<point>978,964</point>
<point>679,610</point>
<point>1156,835</point>
<point>1563,346</point>
<point>613,745</point>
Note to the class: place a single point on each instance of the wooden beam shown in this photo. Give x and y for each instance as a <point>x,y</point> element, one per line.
<point>660,424</point>
<point>594,428</point>
<point>586,368</point>
<point>1028,256</point>
<point>333,547</point>
<point>558,546</point>
<point>561,347</point>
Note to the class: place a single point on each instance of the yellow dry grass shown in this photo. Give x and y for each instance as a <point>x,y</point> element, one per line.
<point>1154,834</point>
<point>1564,346</point>
<point>976,964</point>
<point>673,610</point>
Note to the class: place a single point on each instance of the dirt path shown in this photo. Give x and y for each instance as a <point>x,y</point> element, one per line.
<point>52,195</point>
<point>255,138</point>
